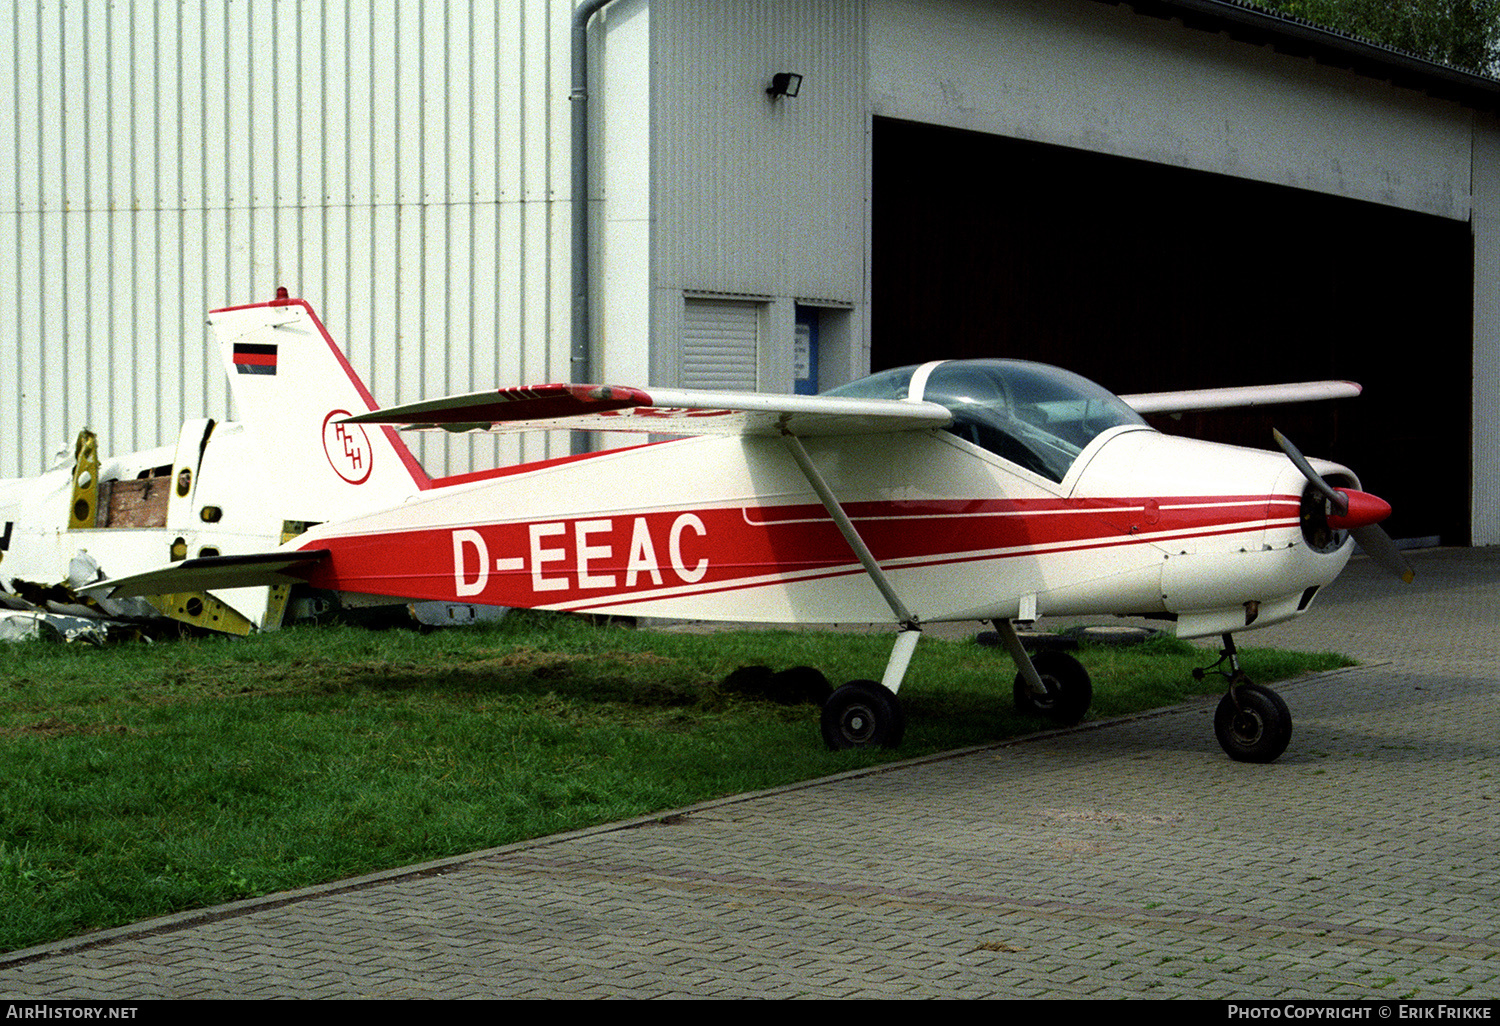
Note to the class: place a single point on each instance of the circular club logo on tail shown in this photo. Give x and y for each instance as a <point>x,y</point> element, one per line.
<point>348,448</point>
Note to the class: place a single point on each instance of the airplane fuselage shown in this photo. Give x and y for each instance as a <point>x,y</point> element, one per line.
<point>728,528</point>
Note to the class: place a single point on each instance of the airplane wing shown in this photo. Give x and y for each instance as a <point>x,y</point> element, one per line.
<point>213,572</point>
<point>682,411</point>
<point>666,411</point>
<point>1248,395</point>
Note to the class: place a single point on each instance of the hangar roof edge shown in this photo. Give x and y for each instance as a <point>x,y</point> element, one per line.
<point>1286,34</point>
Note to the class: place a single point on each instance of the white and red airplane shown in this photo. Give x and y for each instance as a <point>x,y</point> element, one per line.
<point>996,490</point>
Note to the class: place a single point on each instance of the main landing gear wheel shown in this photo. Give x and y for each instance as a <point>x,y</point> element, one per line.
<point>862,714</point>
<point>1070,692</point>
<point>1253,724</point>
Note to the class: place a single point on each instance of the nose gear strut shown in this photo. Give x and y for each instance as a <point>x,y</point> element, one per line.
<point>1252,722</point>
<point>1227,655</point>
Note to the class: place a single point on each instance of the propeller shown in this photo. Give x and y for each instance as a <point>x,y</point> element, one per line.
<point>1357,512</point>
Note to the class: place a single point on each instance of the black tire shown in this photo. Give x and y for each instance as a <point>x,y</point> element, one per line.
<point>1070,692</point>
<point>863,714</point>
<point>1256,728</point>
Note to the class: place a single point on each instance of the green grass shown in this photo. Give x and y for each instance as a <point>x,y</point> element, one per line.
<point>142,779</point>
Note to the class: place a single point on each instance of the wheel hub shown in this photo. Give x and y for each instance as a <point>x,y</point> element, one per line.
<point>858,723</point>
<point>1247,726</point>
<point>1049,699</point>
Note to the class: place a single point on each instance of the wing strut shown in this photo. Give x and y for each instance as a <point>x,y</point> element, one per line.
<point>851,534</point>
<point>911,628</point>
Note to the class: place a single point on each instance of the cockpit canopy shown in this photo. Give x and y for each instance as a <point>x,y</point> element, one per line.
<point>1037,416</point>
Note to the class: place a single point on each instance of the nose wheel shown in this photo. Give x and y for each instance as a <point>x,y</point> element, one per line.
<point>1252,722</point>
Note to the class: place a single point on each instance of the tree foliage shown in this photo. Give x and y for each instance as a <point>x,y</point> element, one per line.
<point>1462,33</point>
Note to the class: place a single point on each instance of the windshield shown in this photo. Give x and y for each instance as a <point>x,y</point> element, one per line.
<point>1034,415</point>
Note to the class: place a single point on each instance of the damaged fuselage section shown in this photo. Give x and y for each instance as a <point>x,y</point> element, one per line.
<point>90,517</point>
<point>223,492</point>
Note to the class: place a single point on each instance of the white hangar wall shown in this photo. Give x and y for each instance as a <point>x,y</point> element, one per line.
<point>400,165</point>
<point>1485,431</point>
<point>718,202</point>
<point>1099,77</point>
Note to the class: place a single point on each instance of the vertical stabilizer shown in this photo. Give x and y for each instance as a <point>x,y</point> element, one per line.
<point>291,388</point>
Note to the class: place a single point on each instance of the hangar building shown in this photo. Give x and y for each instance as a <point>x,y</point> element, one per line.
<point>1160,194</point>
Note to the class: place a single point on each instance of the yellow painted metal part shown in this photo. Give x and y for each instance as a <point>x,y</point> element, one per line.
<point>276,606</point>
<point>84,512</point>
<point>291,528</point>
<point>201,610</point>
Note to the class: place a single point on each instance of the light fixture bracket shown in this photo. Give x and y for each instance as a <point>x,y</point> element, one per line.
<point>784,83</point>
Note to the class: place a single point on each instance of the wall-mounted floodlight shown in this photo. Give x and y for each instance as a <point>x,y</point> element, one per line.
<point>784,83</point>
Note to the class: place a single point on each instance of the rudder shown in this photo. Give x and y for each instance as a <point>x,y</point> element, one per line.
<point>292,386</point>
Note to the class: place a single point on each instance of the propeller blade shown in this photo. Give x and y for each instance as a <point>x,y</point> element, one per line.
<point>1376,543</point>
<point>1379,547</point>
<point>1340,503</point>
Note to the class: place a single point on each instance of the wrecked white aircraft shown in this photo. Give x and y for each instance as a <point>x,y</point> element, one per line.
<point>224,489</point>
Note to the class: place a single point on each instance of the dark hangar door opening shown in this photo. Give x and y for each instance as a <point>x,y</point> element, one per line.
<point>1147,278</point>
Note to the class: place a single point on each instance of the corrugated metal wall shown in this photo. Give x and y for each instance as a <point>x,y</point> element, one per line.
<point>400,164</point>
<point>760,196</point>
<point>755,199</point>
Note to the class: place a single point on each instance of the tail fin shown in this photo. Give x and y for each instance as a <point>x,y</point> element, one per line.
<point>291,388</point>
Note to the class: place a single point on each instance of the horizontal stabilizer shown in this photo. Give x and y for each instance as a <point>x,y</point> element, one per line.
<point>208,573</point>
<point>674,411</point>
<point>1248,395</point>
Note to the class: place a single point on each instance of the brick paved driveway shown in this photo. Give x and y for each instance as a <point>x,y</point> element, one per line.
<point>1125,859</point>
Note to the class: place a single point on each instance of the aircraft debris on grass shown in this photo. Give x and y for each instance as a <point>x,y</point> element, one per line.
<point>989,490</point>
<point>222,489</point>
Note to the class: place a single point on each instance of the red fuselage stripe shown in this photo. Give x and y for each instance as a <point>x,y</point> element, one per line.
<point>629,557</point>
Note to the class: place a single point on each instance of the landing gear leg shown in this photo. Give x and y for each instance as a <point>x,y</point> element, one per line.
<point>862,712</point>
<point>1054,684</point>
<point>1228,656</point>
<point>1252,722</point>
